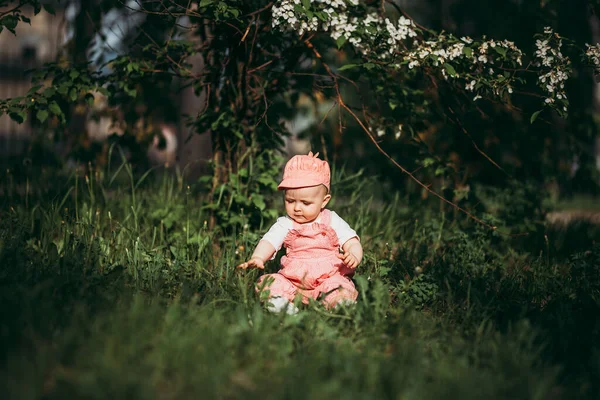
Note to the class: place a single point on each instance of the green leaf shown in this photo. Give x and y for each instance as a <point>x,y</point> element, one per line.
<point>18,116</point>
<point>49,92</point>
<point>63,89</point>
<point>73,94</point>
<point>347,66</point>
<point>33,90</point>
<point>130,92</point>
<point>450,69</point>
<point>15,100</point>
<point>427,162</point>
<point>500,50</point>
<point>321,15</point>
<point>468,51</point>
<point>259,202</point>
<point>240,199</point>
<point>42,115</point>
<point>74,73</point>
<point>55,108</point>
<point>534,116</point>
<point>205,3</point>
<point>267,181</point>
<point>238,134</point>
<point>340,41</point>
<point>49,9</point>
<point>368,65</point>
<point>10,22</point>
<point>306,4</point>
<point>89,99</point>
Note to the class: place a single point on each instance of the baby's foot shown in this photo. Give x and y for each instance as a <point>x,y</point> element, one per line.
<point>278,304</point>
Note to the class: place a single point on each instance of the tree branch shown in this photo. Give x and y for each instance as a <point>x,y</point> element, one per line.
<point>343,105</point>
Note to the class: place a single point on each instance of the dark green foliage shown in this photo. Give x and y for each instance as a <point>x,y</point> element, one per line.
<point>125,291</point>
<point>245,198</point>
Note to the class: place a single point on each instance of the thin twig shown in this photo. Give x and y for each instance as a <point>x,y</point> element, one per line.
<point>13,10</point>
<point>246,32</point>
<point>260,67</point>
<point>259,10</point>
<point>460,125</point>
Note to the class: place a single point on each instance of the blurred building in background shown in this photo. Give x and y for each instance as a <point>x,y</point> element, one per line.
<point>33,45</point>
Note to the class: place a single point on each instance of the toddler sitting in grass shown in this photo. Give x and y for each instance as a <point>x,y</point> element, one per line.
<point>313,266</point>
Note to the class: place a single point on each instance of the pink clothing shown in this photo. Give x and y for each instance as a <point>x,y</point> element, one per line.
<point>279,230</point>
<point>305,171</point>
<point>311,267</point>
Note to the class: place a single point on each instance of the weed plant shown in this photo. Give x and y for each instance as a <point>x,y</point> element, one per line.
<point>117,285</point>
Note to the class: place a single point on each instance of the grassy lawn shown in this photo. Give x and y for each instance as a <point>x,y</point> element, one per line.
<point>112,286</point>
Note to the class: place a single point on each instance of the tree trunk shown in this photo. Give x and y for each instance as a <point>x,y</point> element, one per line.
<point>193,155</point>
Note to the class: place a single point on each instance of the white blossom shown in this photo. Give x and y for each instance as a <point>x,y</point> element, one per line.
<point>412,64</point>
<point>398,132</point>
<point>593,55</point>
<point>557,67</point>
<point>400,44</point>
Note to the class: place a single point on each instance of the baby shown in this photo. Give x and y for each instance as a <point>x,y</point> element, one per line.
<point>313,266</point>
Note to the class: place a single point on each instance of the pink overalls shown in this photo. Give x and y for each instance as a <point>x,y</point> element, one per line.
<point>311,267</point>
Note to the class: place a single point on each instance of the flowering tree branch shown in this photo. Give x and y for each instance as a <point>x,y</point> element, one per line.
<point>368,131</point>
<point>403,44</point>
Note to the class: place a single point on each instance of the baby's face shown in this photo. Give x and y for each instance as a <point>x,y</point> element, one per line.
<point>304,205</point>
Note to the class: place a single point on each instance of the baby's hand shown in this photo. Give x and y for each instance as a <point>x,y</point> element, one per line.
<point>349,259</point>
<point>252,263</point>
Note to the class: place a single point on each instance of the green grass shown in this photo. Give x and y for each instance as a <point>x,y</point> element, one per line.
<point>114,285</point>
<point>579,202</point>
<point>144,350</point>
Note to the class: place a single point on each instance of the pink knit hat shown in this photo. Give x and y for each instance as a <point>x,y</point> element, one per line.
<point>305,171</point>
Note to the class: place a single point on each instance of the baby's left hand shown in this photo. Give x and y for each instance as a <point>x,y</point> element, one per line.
<point>349,259</point>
